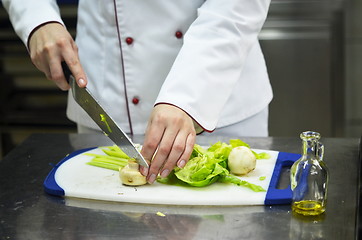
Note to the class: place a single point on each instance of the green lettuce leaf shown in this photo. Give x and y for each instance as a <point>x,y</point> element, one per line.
<point>201,171</point>
<point>207,166</point>
<point>238,143</point>
<point>220,150</point>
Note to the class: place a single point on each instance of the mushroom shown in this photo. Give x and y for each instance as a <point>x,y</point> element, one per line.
<point>241,160</point>
<point>130,174</point>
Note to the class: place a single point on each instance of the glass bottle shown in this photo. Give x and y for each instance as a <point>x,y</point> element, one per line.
<point>309,177</point>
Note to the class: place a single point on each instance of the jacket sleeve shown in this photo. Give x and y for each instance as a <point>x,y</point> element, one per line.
<point>212,57</point>
<point>27,15</point>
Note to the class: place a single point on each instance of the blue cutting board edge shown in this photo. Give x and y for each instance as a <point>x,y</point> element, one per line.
<point>280,196</point>
<point>50,185</point>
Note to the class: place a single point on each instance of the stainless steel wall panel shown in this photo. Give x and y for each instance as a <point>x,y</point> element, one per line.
<point>303,53</point>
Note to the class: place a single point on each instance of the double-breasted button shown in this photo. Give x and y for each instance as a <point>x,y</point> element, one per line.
<point>135,100</point>
<point>129,40</point>
<point>178,34</point>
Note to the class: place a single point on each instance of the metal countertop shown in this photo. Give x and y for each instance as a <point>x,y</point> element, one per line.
<point>26,212</point>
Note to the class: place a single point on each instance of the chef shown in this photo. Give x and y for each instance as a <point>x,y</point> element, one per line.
<point>166,69</point>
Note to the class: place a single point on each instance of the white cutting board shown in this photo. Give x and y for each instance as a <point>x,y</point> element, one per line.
<point>72,177</point>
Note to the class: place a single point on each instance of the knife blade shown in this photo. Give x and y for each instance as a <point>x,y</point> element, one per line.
<point>99,115</point>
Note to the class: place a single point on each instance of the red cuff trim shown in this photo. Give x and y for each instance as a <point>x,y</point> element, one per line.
<point>36,28</point>
<point>204,129</point>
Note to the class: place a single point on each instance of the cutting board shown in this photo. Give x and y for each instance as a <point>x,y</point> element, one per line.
<point>72,177</point>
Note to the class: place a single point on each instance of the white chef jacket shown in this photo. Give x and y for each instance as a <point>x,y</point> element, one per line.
<point>201,56</point>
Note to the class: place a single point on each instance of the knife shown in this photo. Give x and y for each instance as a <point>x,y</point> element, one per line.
<point>99,115</point>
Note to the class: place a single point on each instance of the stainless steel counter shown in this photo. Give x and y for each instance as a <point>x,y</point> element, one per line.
<point>26,212</point>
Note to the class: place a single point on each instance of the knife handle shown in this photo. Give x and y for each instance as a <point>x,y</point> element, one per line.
<point>66,71</point>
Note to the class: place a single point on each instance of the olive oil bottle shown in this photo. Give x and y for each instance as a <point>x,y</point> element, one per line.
<point>309,177</point>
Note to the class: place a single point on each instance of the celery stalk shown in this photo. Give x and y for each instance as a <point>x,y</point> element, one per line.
<point>109,161</point>
<point>114,158</point>
<point>104,165</point>
<point>113,153</point>
<point>108,157</point>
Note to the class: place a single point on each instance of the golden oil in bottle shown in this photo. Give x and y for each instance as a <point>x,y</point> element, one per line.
<point>309,207</point>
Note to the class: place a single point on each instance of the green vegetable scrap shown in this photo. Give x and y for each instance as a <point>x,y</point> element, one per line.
<point>208,166</point>
<point>262,155</point>
<point>233,179</point>
<point>160,214</point>
<point>104,119</point>
<point>262,178</point>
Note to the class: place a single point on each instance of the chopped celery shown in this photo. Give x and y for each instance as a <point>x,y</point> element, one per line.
<point>108,157</point>
<point>109,161</point>
<point>115,151</point>
<point>104,165</point>
<point>113,159</point>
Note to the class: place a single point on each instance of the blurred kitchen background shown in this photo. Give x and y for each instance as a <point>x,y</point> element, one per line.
<point>313,50</point>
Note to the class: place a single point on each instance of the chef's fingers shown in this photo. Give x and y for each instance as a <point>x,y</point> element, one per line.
<point>54,59</point>
<point>190,142</point>
<point>161,155</point>
<point>144,170</point>
<point>42,64</point>
<point>153,136</point>
<point>180,151</point>
<point>40,55</point>
<point>48,62</point>
<point>151,142</point>
<point>174,147</point>
<point>70,56</point>
<point>56,74</point>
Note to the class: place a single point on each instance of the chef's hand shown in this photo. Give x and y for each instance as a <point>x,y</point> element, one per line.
<point>169,139</point>
<point>51,44</point>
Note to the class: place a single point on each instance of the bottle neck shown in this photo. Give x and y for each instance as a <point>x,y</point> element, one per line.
<point>310,148</point>
<point>311,145</point>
